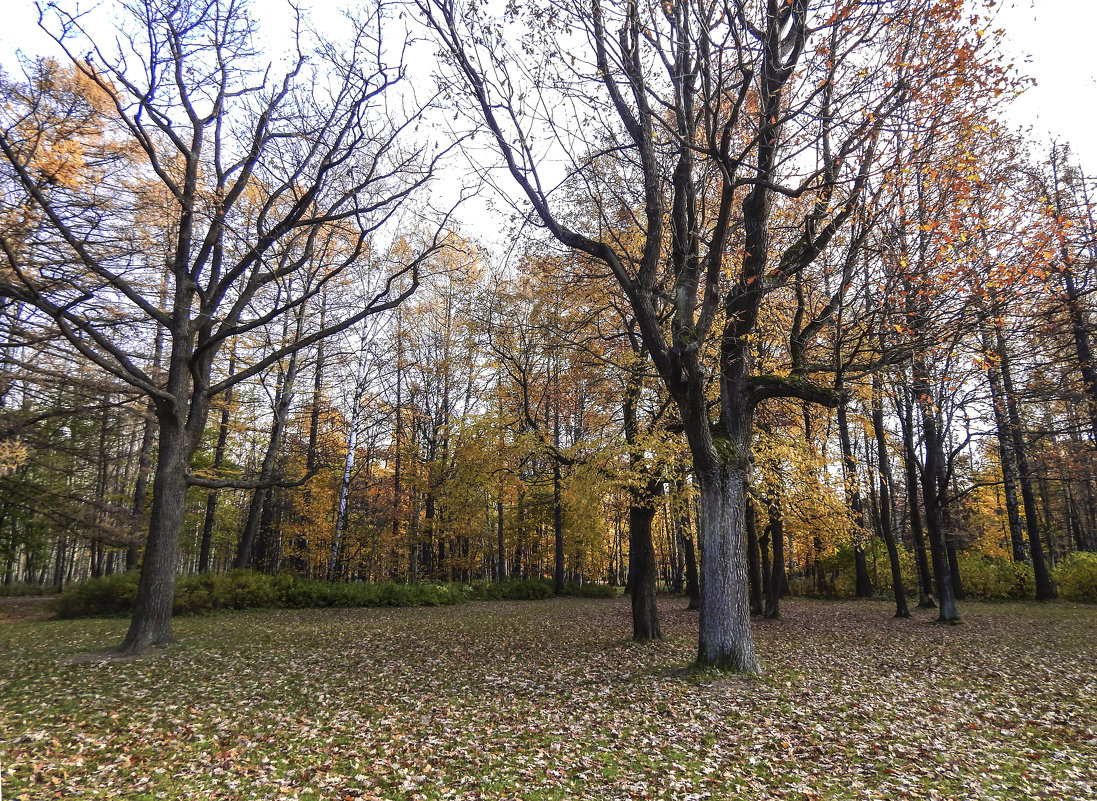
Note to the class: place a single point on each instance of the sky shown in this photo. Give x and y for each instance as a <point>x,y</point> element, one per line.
<point>1051,40</point>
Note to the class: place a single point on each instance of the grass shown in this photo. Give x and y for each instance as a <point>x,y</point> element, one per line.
<point>550,700</point>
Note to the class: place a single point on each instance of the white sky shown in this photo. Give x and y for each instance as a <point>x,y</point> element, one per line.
<point>1051,40</point>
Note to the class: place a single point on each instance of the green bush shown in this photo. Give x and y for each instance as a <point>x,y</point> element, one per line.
<point>590,590</point>
<point>511,590</point>
<point>995,579</point>
<point>1076,577</point>
<point>243,589</point>
<point>111,595</point>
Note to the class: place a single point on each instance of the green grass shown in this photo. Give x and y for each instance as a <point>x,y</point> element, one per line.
<point>550,700</point>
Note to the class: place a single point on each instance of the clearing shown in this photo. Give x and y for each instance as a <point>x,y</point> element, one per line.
<point>550,700</point>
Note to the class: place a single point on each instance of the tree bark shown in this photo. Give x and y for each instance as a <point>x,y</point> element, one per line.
<point>724,635</point>
<point>258,508</point>
<point>756,565</point>
<point>151,622</point>
<point>887,530</point>
<point>917,533</point>
<point>1005,451</point>
<point>777,585</point>
<point>931,499</point>
<point>853,498</point>
<point>693,583</point>
<point>218,460</point>
<point>1044,588</point>
<point>642,567</point>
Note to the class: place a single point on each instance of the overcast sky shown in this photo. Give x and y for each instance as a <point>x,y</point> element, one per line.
<point>1051,40</point>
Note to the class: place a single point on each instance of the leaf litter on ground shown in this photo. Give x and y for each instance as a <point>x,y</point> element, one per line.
<point>551,700</point>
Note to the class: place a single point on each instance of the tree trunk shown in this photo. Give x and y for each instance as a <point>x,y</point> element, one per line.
<point>260,499</point>
<point>1044,588</point>
<point>724,636</point>
<point>218,460</point>
<point>151,622</point>
<point>558,532</point>
<point>777,585</point>
<point>1005,451</point>
<point>910,461</point>
<point>931,500</point>
<point>887,530</point>
<point>501,548</point>
<point>693,583</point>
<point>853,498</point>
<point>645,615</point>
<point>140,488</point>
<point>756,565</point>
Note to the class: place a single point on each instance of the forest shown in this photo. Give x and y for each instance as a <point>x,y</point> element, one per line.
<point>776,303</point>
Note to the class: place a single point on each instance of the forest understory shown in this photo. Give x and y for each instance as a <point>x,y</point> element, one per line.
<point>551,700</point>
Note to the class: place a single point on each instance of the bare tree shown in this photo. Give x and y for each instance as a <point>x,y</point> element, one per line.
<point>237,178</point>
<point>741,136</point>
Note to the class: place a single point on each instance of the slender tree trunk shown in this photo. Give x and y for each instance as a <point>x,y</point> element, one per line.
<point>558,531</point>
<point>283,397</point>
<point>777,585</point>
<point>757,566</point>
<point>931,500</point>
<point>910,461</point>
<point>693,583</point>
<point>853,498</point>
<point>501,548</point>
<point>218,460</point>
<point>887,530</point>
<point>1074,298</point>
<point>1005,451</point>
<point>1044,588</point>
<point>140,488</point>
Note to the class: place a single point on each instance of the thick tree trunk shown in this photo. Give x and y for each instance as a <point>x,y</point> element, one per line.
<point>724,636</point>
<point>645,615</point>
<point>151,622</point>
<point>641,555</point>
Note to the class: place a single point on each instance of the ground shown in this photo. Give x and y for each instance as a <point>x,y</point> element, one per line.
<point>550,700</point>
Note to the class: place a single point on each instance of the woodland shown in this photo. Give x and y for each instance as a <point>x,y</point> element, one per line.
<point>774,303</point>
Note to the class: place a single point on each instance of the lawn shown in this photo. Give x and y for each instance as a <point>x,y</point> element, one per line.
<point>551,700</point>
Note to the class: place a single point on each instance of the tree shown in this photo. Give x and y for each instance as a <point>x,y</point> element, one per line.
<point>261,177</point>
<point>713,116</point>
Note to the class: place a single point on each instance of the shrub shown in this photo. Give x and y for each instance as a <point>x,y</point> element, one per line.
<point>511,590</point>
<point>995,579</point>
<point>245,589</point>
<point>110,595</point>
<point>589,590</point>
<point>1076,577</point>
